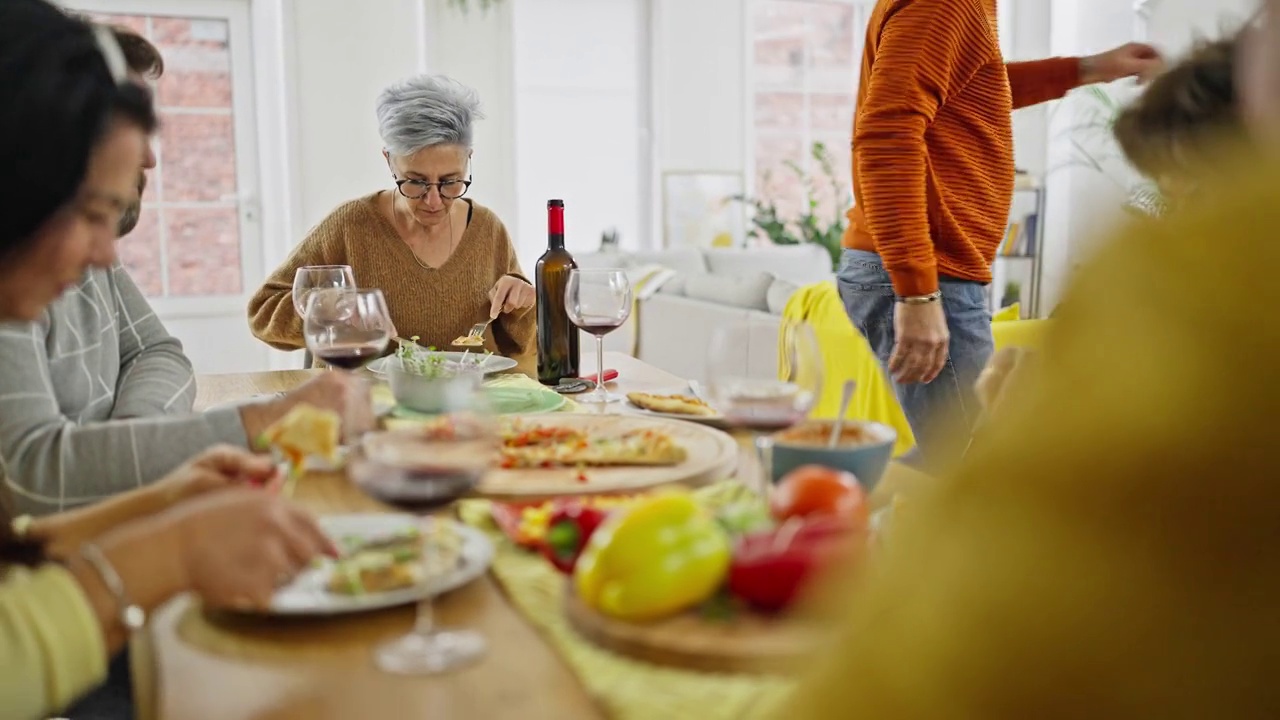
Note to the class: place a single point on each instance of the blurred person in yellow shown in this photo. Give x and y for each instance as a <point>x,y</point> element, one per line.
<point>1113,550</point>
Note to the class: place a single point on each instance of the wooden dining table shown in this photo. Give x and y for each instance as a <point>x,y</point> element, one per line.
<point>193,664</point>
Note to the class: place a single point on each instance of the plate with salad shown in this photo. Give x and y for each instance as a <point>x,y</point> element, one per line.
<point>384,562</point>
<point>432,363</point>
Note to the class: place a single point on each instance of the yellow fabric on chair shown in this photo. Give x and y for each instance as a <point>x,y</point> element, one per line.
<point>847,356</point>
<point>1028,334</point>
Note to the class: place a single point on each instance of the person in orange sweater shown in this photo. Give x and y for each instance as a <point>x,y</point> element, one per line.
<point>932,181</point>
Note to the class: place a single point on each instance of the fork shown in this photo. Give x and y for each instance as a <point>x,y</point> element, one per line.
<point>477,330</point>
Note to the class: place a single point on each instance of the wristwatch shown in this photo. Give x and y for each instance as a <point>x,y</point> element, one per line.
<point>132,616</point>
<point>934,296</point>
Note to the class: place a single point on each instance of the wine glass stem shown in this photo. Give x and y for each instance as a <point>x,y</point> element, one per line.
<point>600,391</point>
<point>424,620</point>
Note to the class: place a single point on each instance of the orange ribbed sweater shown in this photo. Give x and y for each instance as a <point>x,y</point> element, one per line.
<point>933,138</point>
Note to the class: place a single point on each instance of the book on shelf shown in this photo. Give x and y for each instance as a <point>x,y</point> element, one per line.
<point>1020,238</point>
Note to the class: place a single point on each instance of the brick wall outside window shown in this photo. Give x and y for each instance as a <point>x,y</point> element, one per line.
<point>806,56</point>
<point>187,243</point>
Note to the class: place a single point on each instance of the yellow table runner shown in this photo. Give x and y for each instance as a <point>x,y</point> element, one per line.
<point>626,689</point>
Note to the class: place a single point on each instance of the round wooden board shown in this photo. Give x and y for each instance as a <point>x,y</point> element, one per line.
<point>712,456</point>
<point>747,643</point>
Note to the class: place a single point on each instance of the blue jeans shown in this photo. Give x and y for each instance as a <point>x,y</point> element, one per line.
<point>942,413</point>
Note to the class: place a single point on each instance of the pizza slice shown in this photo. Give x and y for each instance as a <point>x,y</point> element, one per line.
<point>671,404</point>
<point>550,446</point>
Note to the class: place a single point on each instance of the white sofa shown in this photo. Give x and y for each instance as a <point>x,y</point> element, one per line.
<point>672,324</point>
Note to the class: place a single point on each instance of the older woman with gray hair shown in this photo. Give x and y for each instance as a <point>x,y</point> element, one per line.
<point>443,261</point>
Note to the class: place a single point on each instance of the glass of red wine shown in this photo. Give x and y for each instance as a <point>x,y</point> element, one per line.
<point>764,399</point>
<point>316,277</point>
<point>599,302</point>
<point>423,470</point>
<point>347,328</point>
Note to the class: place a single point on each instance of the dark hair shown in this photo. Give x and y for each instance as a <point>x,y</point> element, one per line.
<point>1181,120</point>
<point>57,99</point>
<point>141,56</point>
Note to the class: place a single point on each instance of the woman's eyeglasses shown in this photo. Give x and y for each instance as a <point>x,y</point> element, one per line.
<point>448,189</point>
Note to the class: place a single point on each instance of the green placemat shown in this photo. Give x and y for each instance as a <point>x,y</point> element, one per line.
<point>627,689</point>
<point>513,394</point>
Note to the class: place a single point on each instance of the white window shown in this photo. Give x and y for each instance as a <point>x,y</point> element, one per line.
<point>804,59</point>
<point>197,250</point>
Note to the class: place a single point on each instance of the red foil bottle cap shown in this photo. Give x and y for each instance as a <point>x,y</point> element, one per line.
<point>555,217</point>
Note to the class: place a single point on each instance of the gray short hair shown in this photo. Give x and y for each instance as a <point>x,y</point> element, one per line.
<point>426,110</point>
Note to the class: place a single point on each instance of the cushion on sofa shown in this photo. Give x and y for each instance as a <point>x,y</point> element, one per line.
<point>779,293</point>
<point>799,264</point>
<point>749,291</point>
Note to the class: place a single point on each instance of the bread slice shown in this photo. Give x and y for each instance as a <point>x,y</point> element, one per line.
<point>671,404</point>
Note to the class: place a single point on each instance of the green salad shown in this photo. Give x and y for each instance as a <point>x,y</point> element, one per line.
<point>435,364</point>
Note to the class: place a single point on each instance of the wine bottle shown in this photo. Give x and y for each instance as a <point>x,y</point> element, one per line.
<point>557,337</point>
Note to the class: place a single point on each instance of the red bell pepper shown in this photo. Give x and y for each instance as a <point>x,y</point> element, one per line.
<point>568,531</point>
<point>771,569</point>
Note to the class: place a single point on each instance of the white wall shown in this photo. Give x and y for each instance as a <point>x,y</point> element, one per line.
<point>1084,205</point>
<point>580,130</point>
<point>476,49</point>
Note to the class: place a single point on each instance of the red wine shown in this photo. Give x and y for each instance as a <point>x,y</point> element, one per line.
<point>600,326</point>
<point>418,489</point>
<point>558,351</point>
<point>349,358</point>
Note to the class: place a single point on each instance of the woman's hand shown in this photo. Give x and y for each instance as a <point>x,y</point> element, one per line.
<point>510,294</point>
<point>236,547</point>
<point>219,467</point>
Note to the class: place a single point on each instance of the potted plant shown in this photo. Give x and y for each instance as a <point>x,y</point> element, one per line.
<point>809,226</point>
<point>1012,293</point>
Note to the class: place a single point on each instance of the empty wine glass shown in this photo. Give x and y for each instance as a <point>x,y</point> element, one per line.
<point>347,328</point>
<point>316,277</point>
<point>760,398</point>
<point>424,470</point>
<point>599,302</point>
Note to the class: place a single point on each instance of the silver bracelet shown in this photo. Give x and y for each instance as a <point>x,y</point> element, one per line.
<point>132,617</point>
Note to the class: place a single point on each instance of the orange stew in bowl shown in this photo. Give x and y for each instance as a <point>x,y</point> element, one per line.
<point>817,434</point>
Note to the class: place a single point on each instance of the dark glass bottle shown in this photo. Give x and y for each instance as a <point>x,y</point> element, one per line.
<point>557,337</point>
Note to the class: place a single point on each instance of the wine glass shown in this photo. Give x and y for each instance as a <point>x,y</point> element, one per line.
<point>758,400</point>
<point>598,301</point>
<point>314,277</point>
<point>421,470</point>
<point>755,398</point>
<point>345,327</point>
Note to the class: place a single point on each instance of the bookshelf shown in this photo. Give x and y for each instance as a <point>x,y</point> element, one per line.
<point>1018,257</point>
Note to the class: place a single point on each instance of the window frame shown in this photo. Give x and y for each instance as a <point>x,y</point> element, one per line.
<point>245,123</point>
<point>862,10</point>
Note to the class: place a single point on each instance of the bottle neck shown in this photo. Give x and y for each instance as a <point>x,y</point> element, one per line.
<point>555,226</point>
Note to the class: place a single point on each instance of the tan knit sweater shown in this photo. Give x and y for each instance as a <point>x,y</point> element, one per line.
<point>437,305</point>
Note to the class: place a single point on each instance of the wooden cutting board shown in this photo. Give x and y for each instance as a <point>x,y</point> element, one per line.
<point>746,643</point>
<point>712,456</point>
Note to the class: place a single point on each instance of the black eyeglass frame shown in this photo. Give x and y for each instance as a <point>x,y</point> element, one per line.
<point>439,186</point>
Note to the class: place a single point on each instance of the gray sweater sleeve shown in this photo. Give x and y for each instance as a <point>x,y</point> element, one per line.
<point>52,463</point>
<point>155,376</point>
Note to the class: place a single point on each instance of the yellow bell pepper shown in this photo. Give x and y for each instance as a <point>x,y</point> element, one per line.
<point>661,556</point>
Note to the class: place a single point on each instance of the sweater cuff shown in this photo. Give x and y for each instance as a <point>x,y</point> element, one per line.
<point>227,425</point>
<point>913,280</point>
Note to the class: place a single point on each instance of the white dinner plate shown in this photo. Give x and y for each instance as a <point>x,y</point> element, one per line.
<point>492,364</point>
<point>307,594</point>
